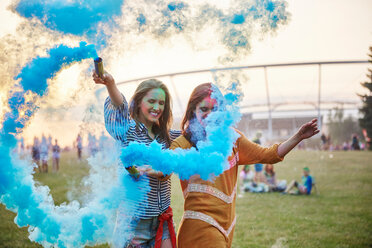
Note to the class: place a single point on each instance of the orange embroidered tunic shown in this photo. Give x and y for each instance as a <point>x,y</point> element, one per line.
<point>209,207</point>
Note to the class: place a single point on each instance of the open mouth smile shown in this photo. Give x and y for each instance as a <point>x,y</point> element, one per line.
<point>155,114</point>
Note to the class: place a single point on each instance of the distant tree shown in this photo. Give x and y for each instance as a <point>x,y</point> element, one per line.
<point>340,128</point>
<point>366,110</point>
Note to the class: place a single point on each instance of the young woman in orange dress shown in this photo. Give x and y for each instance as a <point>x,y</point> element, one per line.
<point>209,208</point>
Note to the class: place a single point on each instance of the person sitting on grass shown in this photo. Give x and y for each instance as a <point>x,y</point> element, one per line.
<point>246,178</point>
<point>260,184</point>
<point>305,187</point>
<point>274,185</point>
<point>251,183</point>
<point>259,177</point>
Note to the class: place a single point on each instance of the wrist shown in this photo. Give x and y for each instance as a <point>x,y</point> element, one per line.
<point>110,84</point>
<point>297,137</point>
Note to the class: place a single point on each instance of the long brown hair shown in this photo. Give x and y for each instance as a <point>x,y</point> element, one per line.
<point>165,120</point>
<point>269,169</point>
<point>198,94</point>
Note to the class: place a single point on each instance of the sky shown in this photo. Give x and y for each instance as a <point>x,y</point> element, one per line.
<point>317,30</point>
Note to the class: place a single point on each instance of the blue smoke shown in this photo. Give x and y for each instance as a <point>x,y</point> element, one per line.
<point>234,25</point>
<point>33,80</point>
<point>87,18</point>
<point>210,157</point>
<point>73,225</point>
<point>68,225</point>
<point>238,19</point>
<point>141,20</point>
<point>34,75</point>
<point>173,17</point>
<point>176,6</point>
<point>76,17</point>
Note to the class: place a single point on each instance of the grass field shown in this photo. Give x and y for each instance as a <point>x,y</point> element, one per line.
<point>340,215</point>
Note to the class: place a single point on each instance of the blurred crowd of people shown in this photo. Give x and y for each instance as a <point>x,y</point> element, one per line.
<point>260,180</point>
<point>354,144</point>
<point>263,179</point>
<point>94,144</point>
<point>40,150</point>
<point>44,148</point>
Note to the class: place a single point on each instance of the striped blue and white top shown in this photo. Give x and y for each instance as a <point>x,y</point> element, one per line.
<point>123,128</point>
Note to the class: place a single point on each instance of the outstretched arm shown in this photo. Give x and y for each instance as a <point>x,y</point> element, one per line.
<point>109,82</point>
<point>306,131</point>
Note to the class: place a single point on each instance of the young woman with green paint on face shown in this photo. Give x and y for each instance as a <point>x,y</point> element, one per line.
<point>147,118</point>
<point>209,206</point>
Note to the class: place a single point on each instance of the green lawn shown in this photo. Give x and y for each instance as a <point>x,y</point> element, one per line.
<point>339,216</point>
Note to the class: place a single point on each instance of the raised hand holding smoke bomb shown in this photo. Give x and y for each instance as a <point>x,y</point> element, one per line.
<point>100,76</point>
<point>98,65</point>
<point>107,80</point>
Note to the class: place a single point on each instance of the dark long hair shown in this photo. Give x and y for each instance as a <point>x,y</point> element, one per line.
<point>269,169</point>
<point>198,94</point>
<point>165,120</point>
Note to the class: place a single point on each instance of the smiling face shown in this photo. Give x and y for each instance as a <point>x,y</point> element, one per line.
<point>203,109</point>
<point>152,106</point>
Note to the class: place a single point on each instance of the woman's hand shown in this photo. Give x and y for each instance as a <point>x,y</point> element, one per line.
<point>308,130</point>
<point>106,79</point>
<point>150,172</point>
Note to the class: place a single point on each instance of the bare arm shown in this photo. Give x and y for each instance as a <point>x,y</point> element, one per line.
<point>306,131</point>
<point>152,173</point>
<point>109,82</point>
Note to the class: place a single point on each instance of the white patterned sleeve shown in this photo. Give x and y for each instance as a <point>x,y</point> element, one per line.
<point>117,119</point>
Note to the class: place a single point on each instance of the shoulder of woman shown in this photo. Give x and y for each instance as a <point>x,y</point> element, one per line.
<point>239,132</point>
<point>174,133</point>
<point>180,142</point>
<point>241,137</point>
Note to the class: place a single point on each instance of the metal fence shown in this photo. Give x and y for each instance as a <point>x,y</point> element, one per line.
<point>270,107</point>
